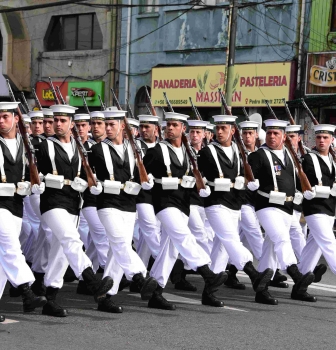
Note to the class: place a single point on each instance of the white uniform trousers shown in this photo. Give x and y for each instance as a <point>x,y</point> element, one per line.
<point>42,243</point>
<point>219,256</point>
<point>13,266</point>
<point>25,229</point>
<point>321,240</point>
<point>250,230</point>
<point>196,224</point>
<point>66,247</point>
<point>29,247</point>
<point>296,234</point>
<point>176,238</point>
<point>277,247</point>
<point>97,234</point>
<point>225,223</point>
<point>149,231</point>
<point>121,257</point>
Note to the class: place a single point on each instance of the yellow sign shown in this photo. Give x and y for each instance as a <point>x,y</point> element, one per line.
<point>253,84</point>
<point>324,76</point>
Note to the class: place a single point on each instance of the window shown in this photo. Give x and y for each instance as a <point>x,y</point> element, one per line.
<point>333,17</point>
<point>148,6</point>
<point>74,32</point>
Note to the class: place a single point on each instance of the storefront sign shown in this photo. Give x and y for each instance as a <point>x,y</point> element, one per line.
<point>321,73</point>
<point>253,84</point>
<point>45,94</point>
<point>90,90</point>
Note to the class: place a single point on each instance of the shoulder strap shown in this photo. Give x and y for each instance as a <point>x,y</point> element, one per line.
<point>108,160</point>
<point>51,151</point>
<point>2,169</point>
<point>269,156</point>
<point>235,148</point>
<point>317,168</point>
<point>215,156</point>
<point>166,158</point>
<point>131,158</point>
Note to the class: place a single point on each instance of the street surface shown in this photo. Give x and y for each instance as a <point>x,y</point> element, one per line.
<point>241,324</point>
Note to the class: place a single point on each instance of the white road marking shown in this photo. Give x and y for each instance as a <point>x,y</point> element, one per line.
<point>8,321</point>
<point>182,300</point>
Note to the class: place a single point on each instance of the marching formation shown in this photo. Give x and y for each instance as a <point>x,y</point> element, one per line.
<point>151,203</point>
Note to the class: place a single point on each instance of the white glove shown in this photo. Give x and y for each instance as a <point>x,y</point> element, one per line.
<point>253,185</point>
<point>38,189</point>
<point>309,195</point>
<point>79,184</point>
<point>239,183</point>
<point>148,185</point>
<point>24,188</point>
<point>205,192</point>
<point>41,176</point>
<point>333,190</point>
<point>96,190</point>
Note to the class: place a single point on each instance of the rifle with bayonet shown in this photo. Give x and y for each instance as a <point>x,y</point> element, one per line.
<point>135,148</point>
<point>305,184</point>
<point>198,117</point>
<point>315,122</point>
<point>86,107</point>
<point>152,111</point>
<point>29,148</point>
<point>60,95</point>
<point>102,104</point>
<point>239,142</point>
<point>37,101</point>
<point>292,122</point>
<point>129,109</point>
<point>191,154</point>
<point>81,149</point>
<point>23,107</point>
<point>25,103</point>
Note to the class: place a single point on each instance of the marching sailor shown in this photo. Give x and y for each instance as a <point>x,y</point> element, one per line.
<point>221,165</point>
<point>170,165</point>
<point>114,163</point>
<point>59,161</point>
<point>275,183</point>
<point>13,186</point>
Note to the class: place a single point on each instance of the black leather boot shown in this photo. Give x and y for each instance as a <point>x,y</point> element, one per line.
<point>210,299</point>
<point>14,292</point>
<point>146,285</point>
<point>259,280</point>
<point>83,289</point>
<point>278,280</point>
<point>98,287</point>
<point>69,275</point>
<point>133,288</point>
<point>264,297</point>
<point>157,301</point>
<point>2,318</point>
<point>51,308</point>
<point>176,272</point>
<point>212,280</point>
<point>232,280</point>
<point>124,283</point>
<point>30,300</point>
<point>106,304</point>
<point>301,281</point>
<point>38,286</point>
<point>302,296</point>
<point>185,285</point>
<point>319,271</point>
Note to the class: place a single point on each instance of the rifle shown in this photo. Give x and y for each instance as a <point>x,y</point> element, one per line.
<point>292,122</point>
<point>81,149</point>
<point>25,103</point>
<point>85,105</point>
<point>191,154</point>
<point>129,109</point>
<point>102,104</point>
<point>56,99</point>
<point>135,148</point>
<point>305,185</point>
<point>37,100</point>
<point>29,148</point>
<point>148,109</point>
<point>315,122</point>
<point>23,107</point>
<point>198,117</point>
<point>245,113</point>
<point>239,142</point>
<point>60,95</point>
<point>152,111</point>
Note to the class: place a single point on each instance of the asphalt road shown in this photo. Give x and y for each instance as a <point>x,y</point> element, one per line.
<point>241,324</point>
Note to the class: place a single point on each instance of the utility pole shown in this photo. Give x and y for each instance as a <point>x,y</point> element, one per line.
<point>232,52</point>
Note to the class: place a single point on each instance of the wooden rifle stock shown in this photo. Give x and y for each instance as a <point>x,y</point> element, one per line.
<point>191,154</point>
<point>153,112</point>
<point>305,184</point>
<point>239,142</point>
<point>136,151</point>
<point>29,148</point>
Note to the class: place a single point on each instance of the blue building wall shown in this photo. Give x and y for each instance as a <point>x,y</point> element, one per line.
<point>265,33</point>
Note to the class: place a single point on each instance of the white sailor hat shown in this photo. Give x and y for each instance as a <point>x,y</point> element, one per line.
<point>324,129</point>
<point>197,124</point>
<point>210,127</point>
<point>114,114</point>
<point>276,124</point>
<point>97,115</point>
<point>47,113</point>
<point>133,122</point>
<point>293,129</point>
<point>111,108</point>
<point>148,119</point>
<point>63,110</point>
<point>176,117</point>
<point>36,115</point>
<point>249,125</point>
<point>8,106</point>
<point>224,119</point>
<point>163,124</point>
<point>26,118</point>
<point>82,117</point>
